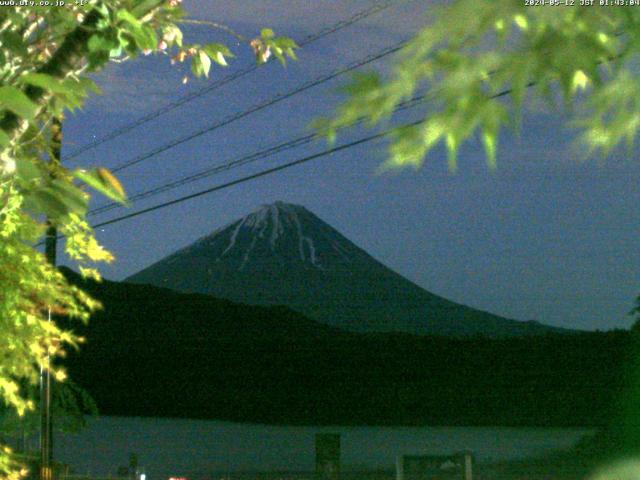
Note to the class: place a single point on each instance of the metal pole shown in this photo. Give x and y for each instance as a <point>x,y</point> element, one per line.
<point>46,420</point>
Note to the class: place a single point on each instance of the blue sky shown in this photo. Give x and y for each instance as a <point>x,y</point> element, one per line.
<point>549,236</point>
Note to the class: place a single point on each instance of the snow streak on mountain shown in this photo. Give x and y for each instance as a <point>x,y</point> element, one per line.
<point>282,254</point>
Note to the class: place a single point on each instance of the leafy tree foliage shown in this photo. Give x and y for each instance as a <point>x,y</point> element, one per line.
<point>475,51</point>
<point>477,64</point>
<point>45,56</point>
<point>70,405</point>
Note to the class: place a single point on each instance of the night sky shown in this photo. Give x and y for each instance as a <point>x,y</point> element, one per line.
<point>551,235</point>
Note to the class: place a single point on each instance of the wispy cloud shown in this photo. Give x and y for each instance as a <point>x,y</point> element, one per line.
<point>135,87</point>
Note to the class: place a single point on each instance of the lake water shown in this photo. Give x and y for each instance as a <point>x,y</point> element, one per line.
<point>195,448</point>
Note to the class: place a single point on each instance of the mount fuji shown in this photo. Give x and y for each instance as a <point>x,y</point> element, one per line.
<point>283,254</point>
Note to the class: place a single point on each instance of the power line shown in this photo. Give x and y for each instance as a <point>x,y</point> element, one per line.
<point>253,157</point>
<point>265,172</point>
<point>244,179</point>
<point>274,169</point>
<point>256,155</point>
<point>261,106</point>
<point>225,80</point>
<point>250,177</point>
<point>209,172</point>
<point>274,100</point>
<point>268,171</point>
<point>256,175</point>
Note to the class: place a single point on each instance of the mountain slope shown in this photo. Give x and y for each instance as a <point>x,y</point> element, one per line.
<point>156,352</point>
<point>282,254</point>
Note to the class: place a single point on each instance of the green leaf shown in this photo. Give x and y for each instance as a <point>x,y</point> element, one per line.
<point>281,47</point>
<point>28,170</point>
<point>145,6</point>
<point>490,142</point>
<point>171,33</point>
<point>196,66</point>
<point>361,84</point>
<point>277,52</point>
<point>217,52</point>
<point>406,148</point>
<point>128,17</point>
<point>452,152</point>
<point>4,139</point>
<point>14,99</point>
<point>100,43</point>
<point>291,53</point>
<point>143,37</point>
<point>13,41</point>
<point>267,33</point>
<point>74,199</point>
<point>206,62</point>
<point>146,37</point>
<point>213,49</point>
<point>104,182</point>
<point>49,203</point>
<point>47,82</point>
<point>115,52</point>
<point>286,42</point>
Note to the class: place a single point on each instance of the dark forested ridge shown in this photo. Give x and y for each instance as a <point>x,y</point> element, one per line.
<point>155,352</point>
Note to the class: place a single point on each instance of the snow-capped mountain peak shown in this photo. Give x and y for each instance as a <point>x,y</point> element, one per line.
<point>280,229</point>
<point>283,254</point>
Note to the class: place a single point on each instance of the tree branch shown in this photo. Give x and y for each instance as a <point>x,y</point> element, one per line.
<point>218,26</point>
<point>67,58</point>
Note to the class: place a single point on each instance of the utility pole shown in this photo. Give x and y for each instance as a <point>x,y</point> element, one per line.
<point>51,241</point>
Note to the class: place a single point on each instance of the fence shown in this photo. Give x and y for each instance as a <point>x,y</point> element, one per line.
<point>481,472</point>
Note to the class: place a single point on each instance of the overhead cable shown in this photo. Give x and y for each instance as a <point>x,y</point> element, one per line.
<point>225,80</point>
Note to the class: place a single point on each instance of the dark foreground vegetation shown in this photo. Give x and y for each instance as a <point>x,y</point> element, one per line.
<point>154,352</point>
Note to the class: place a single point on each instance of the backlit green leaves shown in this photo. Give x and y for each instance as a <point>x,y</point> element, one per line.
<point>478,59</point>
<point>201,64</point>
<point>131,28</point>
<point>66,94</point>
<point>69,404</point>
<point>172,35</point>
<point>263,47</point>
<point>217,52</point>
<point>28,287</point>
<point>33,184</point>
<point>5,140</point>
<point>103,46</point>
<point>143,7</point>
<point>614,113</point>
<point>48,82</point>
<point>56,197</point>
<point>267,44</point>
